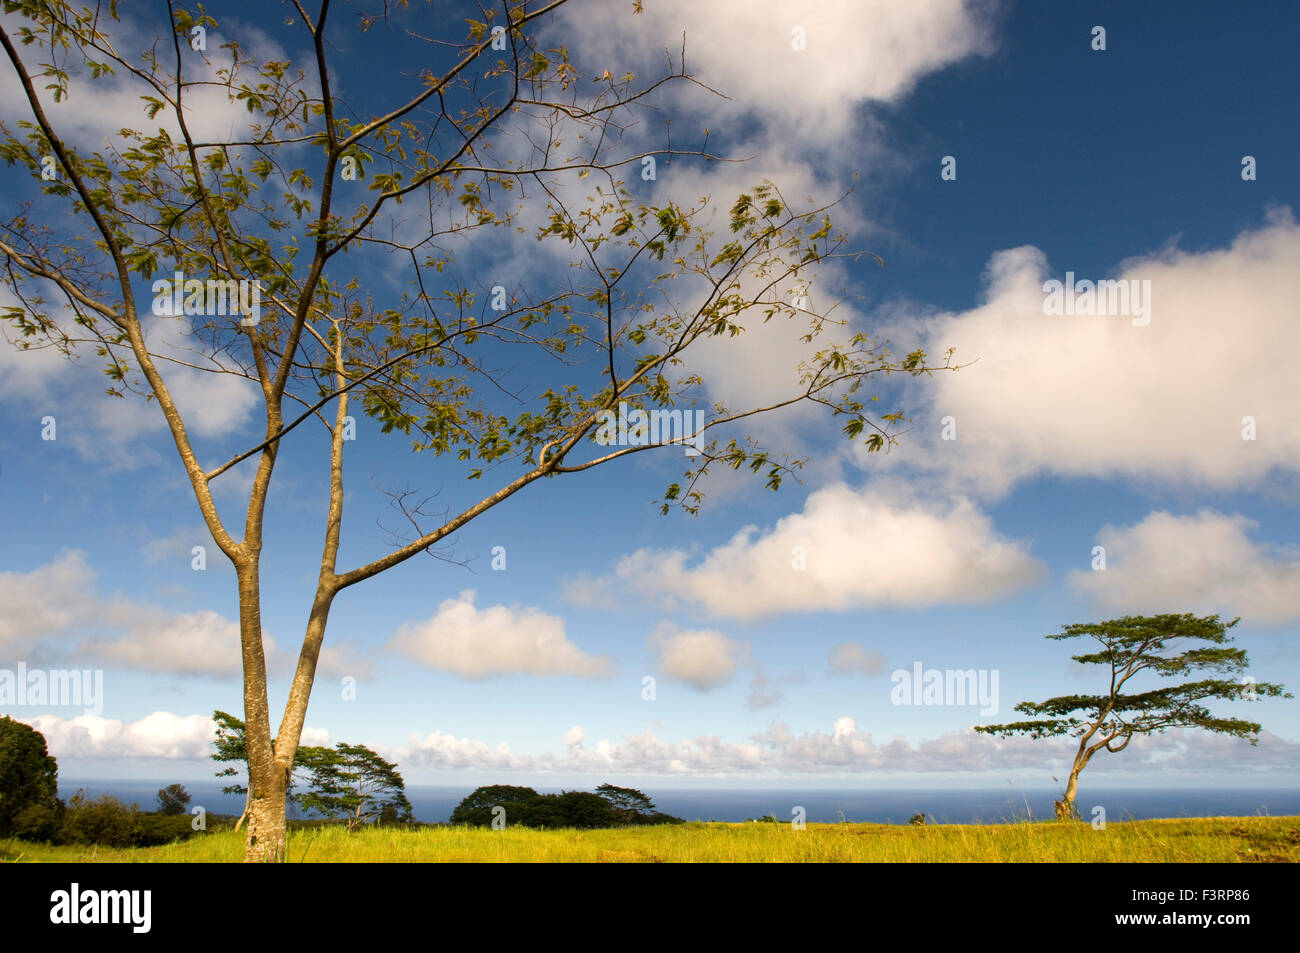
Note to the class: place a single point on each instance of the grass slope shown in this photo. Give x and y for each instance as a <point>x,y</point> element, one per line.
<point>1197,840</point>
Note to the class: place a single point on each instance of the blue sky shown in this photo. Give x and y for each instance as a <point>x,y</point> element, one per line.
<point>1071,431</point>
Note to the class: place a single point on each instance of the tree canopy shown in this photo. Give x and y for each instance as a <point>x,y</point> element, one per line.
<point>609,806</point>
<point>1165,646</point>
<point>29,782</point>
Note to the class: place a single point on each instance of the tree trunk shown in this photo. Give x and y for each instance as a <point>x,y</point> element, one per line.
<point>1065,809</point>
<point>267,782</point>
<point>266,820</point>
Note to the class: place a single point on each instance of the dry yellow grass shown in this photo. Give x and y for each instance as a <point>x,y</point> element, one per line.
<point>1198,840</point>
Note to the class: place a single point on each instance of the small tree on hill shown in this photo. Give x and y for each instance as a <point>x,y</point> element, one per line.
<point>476,809</point>
<point>626,801</point>
<point>1129,646</point>
<point>173,799</point>
<point>353,782</point>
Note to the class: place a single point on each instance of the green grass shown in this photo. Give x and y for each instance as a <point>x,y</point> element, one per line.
<point>1198,840</point>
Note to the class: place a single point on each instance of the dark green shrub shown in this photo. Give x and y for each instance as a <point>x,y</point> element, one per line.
<point>108,822</point>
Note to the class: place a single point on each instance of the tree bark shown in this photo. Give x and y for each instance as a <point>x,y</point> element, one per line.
<point>266,841</point>
<point>267,784</point>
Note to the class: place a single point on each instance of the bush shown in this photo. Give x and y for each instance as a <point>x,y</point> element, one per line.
<point>524,807</point>
<point>476,809</point>
<point>108,822</point>
<point>38,822</point>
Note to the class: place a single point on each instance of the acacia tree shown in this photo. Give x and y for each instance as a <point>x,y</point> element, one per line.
<point>354,782</point>
<point>1129,646</point>
<point>309,194</point>
<point>628,802</point>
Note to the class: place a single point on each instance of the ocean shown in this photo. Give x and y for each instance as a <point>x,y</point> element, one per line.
<point>433,804</point>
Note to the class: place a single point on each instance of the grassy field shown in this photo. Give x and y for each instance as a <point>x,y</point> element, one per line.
<point>1203,840</point>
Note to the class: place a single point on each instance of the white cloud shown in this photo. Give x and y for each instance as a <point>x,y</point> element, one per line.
<point>861,549</point>
<point>856,51</point>
<point>1204,563</point>
<point>702,658</point>
<point>46,609</point>
<point>97,107</point>
<point>846,750</point>
<point>45,601</point>
<point>474,643</point>
<point>1079,395</point>
<point>850,658</point>
<point>158,735</point>
<point>189,643</point>
<point>314,736</point>
<point>439,750</point>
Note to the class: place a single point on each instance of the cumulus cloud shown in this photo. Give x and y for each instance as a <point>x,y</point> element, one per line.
<point>702,658</point>
<point>47,600</point>
<point>314,736</point>
<point>475,643</point>
<point>188,643</point>
<point>1080,395</point>
<point>50,608</point>
<point>1205,563</point>
<point>846,750</point>
<point>441,750</point>
<point>853,52</point>
<point>850,658</point>
<point>859,549</point>
<point>161,734</point>
<point>801,84</point>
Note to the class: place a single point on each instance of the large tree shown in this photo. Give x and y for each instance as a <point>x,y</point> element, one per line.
<point>1165,646</point>
<point>29,782</point>
<point>306,198</point>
